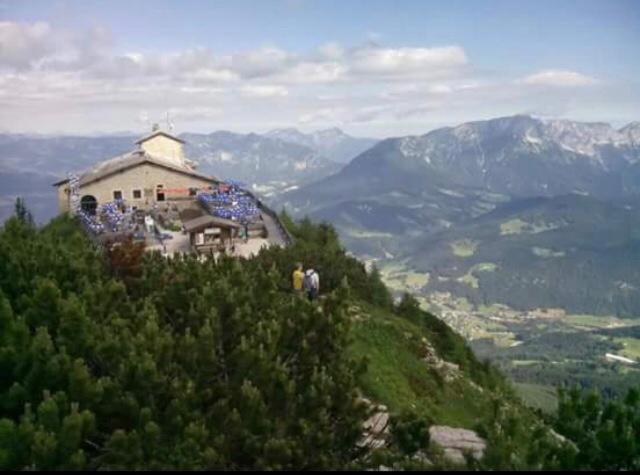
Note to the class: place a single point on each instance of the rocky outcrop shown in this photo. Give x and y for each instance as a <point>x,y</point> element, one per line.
<point>448,371</point>
<point>454,442</point>
<point>376,428</point>
<point>356,313</point>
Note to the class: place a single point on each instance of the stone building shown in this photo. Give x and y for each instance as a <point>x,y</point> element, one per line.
<point>155,172</point>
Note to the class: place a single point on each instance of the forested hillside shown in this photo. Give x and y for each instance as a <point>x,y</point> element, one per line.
<point>571,252</point>
<point>123,359</point>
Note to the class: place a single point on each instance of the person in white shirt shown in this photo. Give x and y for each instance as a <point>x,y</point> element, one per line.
<point>311,284</point>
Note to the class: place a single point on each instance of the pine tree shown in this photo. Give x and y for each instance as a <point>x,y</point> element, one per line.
<point>22,213</point>
<point>130,360</point>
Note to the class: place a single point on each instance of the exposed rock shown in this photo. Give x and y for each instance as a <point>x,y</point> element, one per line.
<point>356,314</point>
<point>381,468</point>
<point>562,439</point>
<point>422,458</point>
<point>455,442</point>
<point>449,371</point>
<point>376,427</point>
<point>476,387</point>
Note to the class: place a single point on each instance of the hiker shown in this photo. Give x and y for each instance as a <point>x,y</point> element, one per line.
<point>311,284</point>
<point>297,278</point>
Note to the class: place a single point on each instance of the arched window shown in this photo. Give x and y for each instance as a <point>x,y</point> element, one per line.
<point>88,204</point>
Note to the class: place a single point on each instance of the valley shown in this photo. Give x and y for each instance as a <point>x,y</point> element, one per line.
<point>522,234</point>
<point>539,349</point>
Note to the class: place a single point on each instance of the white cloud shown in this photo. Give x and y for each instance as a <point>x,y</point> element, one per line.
<point>331,51</point>
<point>258,90</point>
<point>324,115</point>
<point>79,81</point>
<point>311,72</point>
<point>559,78</point>
<point>259,63</point>
<point>211,75</point>
<point>440,89</point>
<point>407,61</point>
<point>22,44</point>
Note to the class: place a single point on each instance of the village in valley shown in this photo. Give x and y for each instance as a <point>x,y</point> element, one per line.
<point>539,348</point>
<point>156,195</point>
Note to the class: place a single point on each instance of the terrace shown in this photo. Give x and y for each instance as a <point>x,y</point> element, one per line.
<point>227,220</point>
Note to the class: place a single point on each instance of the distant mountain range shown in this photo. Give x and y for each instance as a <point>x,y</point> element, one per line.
<point>30,164</point>
<point>332,143</point>
<point>265,163</point>
<point>421,199</point>
<point>518,156</point>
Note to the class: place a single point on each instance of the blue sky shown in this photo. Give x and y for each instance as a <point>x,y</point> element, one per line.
<point>372,67</point>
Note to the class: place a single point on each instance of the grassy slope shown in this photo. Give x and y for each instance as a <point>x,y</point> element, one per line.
<point>398,376</point>
<point>391,339</point>
<point>538,396</point>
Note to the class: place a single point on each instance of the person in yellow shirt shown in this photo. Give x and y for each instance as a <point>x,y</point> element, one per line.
<point>297,278</point>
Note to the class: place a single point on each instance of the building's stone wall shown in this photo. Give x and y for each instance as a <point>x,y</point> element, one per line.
<point>165,147</point>
<point>63,197</point>
<point>144,177</point>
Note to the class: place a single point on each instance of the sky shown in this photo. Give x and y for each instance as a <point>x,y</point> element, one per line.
<point>373,68</point>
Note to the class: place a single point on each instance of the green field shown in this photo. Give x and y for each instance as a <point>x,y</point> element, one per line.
<point>364,234</point>
<point>518,226</point>
<point>470,279</point>
<point>538,396</point>
<point>514,226</point>
<point>596,321</point>
<point>464,247</point>
<point>631,347</point>
<point>546,253</point>
<point>524,362</point>
<point>400,278</point>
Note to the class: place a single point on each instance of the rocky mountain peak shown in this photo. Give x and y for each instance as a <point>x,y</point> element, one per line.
<point>333,142</point>
<point>631,131</point>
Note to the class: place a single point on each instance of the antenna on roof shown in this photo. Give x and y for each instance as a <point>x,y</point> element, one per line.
<point>169,123</point>
<point>143,117</point>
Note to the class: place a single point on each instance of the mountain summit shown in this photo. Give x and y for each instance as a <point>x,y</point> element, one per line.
<point>521,156</point>
<point>333,143</point>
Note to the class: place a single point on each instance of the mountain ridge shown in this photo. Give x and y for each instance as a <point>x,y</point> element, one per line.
<point>394,199</point>
<point>332,142</point>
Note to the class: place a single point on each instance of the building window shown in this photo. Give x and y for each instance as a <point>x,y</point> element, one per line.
<point>117,195</point>
<point>160,193</point>
<point>137,194</point>
<point>88,204</point>
<point>193,191</point>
